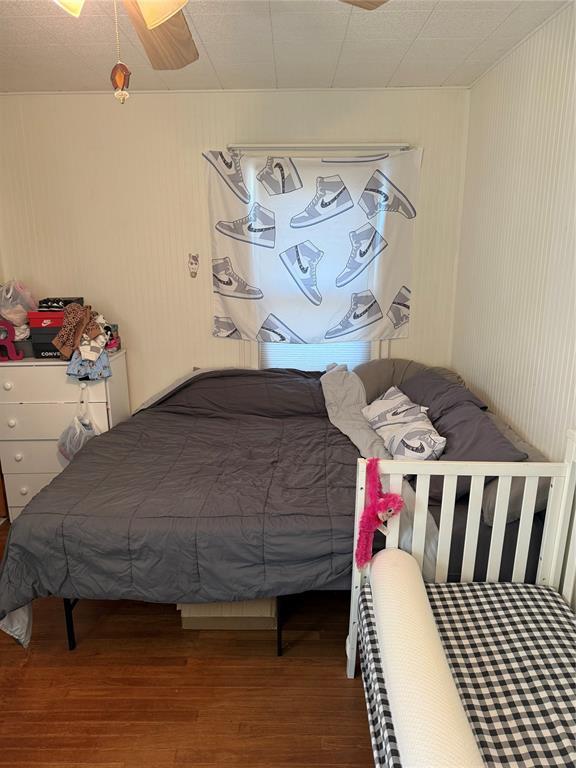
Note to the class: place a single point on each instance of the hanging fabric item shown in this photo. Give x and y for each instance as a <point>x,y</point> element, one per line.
<point>312,250</point>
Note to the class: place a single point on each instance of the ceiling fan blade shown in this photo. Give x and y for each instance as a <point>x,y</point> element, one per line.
<point>168,46</point>
<point>367,5</point>
<point>156,12</point>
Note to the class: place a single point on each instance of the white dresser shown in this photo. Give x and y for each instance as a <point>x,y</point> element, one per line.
<point>37,402</point>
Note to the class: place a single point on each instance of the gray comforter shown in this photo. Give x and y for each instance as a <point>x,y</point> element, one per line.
<point>234,486</point>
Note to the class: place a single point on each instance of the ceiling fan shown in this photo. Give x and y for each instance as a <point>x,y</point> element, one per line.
<point>163,29</point>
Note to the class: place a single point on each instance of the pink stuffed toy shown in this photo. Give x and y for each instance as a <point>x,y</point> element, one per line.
<point>379,507</point>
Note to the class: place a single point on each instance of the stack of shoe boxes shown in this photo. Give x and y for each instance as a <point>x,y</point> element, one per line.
<point>45,324</point>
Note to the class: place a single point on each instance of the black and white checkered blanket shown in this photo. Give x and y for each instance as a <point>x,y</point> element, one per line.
<point>512,652</point>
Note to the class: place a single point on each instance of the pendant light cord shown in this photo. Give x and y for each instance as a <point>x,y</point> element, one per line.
<point>117,30</point>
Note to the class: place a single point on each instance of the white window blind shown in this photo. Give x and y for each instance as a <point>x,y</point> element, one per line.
<point>313,357</point>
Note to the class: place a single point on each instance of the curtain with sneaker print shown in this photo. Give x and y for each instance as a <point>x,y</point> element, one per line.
<point>312,250</point>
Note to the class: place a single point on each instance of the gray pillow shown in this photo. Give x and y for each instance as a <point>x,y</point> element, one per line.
<point>437,393</point>
<point>517,487</point>
<point>470,436</point>
<point>379,375</point>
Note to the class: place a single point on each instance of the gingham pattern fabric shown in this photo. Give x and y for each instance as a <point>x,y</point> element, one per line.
<point>512,651</point>
<point>384,744</point>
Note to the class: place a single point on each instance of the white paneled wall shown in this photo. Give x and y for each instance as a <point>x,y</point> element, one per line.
<point>106,201</point>
<point>515,316</point>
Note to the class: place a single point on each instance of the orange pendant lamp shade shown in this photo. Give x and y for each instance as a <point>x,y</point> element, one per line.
<point>73,7</point>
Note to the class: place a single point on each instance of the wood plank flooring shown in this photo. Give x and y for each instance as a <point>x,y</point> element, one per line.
<point>139,692</point>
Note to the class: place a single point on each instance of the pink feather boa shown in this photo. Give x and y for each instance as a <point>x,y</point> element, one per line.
<point>378,508</point>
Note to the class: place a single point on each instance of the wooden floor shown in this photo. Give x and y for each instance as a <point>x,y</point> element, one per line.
<point>139,692</point>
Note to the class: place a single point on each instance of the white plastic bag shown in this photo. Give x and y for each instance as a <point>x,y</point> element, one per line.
<point>81,429</point>
<point>15,302</point>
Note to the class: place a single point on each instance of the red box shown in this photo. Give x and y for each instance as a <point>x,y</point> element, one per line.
<point>46,319</point>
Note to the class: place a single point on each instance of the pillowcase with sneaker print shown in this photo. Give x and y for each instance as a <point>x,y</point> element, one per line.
<point>404,427</point>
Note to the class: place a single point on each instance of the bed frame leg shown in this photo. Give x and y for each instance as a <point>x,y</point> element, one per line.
<point>279,620</point>
<point>70,634</point>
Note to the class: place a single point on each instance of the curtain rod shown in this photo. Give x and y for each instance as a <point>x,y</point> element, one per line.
<point>318,147</point>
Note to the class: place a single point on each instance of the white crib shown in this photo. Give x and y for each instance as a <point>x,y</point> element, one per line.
<point>557,557</point>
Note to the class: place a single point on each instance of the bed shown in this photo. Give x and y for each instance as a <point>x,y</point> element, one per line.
<point>471,673</point>
<point>236,485</point>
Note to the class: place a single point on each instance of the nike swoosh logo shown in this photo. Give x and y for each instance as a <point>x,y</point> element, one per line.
<point>251,228</point>
<point>303,269</point>
<point>228,163</point>
<point>378,192</point>
<point>228,281</point>
<point>358,315</point>
<point>421,448</point>
<point>327,203</point>
<point>276,333</point>
<point>399,412</point>
<point>362,252</point>
<point>400,304</point>
<point>282,175</point>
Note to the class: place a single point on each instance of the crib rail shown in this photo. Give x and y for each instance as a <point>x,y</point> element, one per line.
<point>557,556</point>
<point>559,476</point>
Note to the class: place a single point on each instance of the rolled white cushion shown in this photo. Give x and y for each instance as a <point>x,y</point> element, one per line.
<point>430,723</point>
<point>404,427</point>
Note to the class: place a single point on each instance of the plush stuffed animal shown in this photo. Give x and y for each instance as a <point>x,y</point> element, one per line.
<point>378,509</point>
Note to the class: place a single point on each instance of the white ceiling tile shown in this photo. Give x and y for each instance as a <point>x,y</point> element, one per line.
<point>82,31</point>
<point>302,77</point>
<point>50,8</point>
<point>228,7</point>
<point>240,51</point>
<point>477,5</point>
<point>442,48</point>
<point>422,73</point>
<point>333,7</point>
<point>22,30</point>
<point>386,24</point>
<point>290,27</point>
<point>216,28</point>
<point>410,5</point>
<point>467,72</point>
<point>247,75</point>
<point>199,75</point>
<point>463,23</point>
<point>528,15</point>
<point>378,50</point>
<point>493,48</point>
<point>362,75</point>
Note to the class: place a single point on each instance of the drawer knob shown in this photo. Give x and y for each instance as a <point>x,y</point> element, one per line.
<point>11,423</point>
<point>8,386</point>
<point>24,491</point>
<point>18,457</point>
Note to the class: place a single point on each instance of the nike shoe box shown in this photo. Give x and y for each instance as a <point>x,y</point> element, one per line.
<point>44,326</point>
<point>43,319</point>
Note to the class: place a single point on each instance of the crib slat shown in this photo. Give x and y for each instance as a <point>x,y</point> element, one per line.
<point>472,527</point>
<point>445,529</point>
<point>550,530</point>
<point>525,528</point>
<point>420,517</point>
<point>498,527</point>
<point>394,524</point>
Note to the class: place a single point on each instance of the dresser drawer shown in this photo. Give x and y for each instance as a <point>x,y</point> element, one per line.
<point>21,488</point>
<point>43,421</point>
<point>44,384</point>
<point>30,456</point>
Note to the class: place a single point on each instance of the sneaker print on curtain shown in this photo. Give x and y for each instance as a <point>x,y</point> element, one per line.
<point>312,250</point>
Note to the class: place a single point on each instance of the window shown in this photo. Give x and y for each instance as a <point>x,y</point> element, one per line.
<point>313,357</point>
